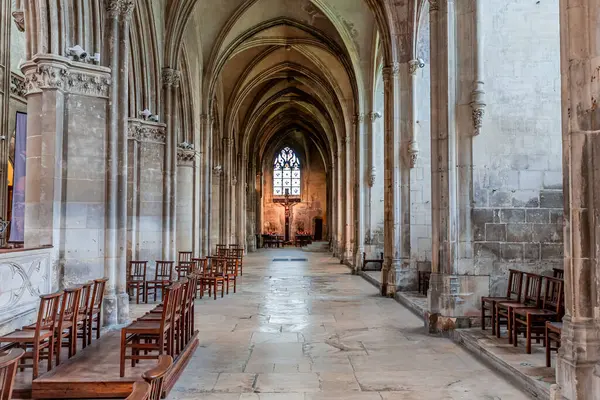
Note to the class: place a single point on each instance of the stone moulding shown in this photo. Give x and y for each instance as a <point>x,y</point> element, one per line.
<point>146,132</point>
<point>25,275</point>
<point>60,73</point>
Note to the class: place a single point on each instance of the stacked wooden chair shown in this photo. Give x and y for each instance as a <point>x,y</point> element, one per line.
<point>62,318</point>
<point>513,293</point>
<point>152,386</point>
<point>163,276</point>
<point>165,330</point>
<point>212,276</point>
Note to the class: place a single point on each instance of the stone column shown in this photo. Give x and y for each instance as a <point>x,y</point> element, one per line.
<point>454,295</point>
<point>206,182</point>
<point>579,354</point>
<point>186,162</point>
<point>391,252</point>
<point>343,190</point>
<point>360,157</point>
<point>226,181</point>
<point>241,187</point>
<point>371,171</point>
<point>5,24</point>
<point>171,80</point>
<point>116,50</point>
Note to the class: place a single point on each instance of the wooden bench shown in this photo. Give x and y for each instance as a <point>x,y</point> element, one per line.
<point>372,260</point>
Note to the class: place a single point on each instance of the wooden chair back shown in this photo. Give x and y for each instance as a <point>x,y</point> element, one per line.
<point>533,289</point>
<point>164,271</point>
<point>553,295</point>
<point>183,268</point>
<point>231,265</point>
<point>200,265</point>
<point>192,284</point>
<point>515,284</point>
<point>216,266</point>
<point>70,304</point>
<point>184,256</point>
<point>136,271</point>
<point>558,273</point>
<point>236,246</point>
<point>180,299</point>
<point>8,371</point>
<point>48,313</point>
<point>86,295</point>
<point>141,391</point>
<point>98,294</point>
<point>222,250</point>
<point>237,253</point>
<point>156,376</point>
<point>170,297</point>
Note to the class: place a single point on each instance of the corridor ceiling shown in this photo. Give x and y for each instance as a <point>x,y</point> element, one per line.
<point>275,68</point>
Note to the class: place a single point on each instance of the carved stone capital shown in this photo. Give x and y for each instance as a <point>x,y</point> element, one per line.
<point>374,115</point>
<point>227,142</point>
<point>146,132</point>
<point>19,18</point>
<point>119,8</point>
<point>478,106</point>
<point>412,153</point>
<point>372,176</point>
<point>414,65</point>
<point>54,72</point>
<point>218,170</point>
<point>234,181</point>
<point>359,119</point>
<point>185,156</point>
<point>390,71</point>
<point>434,5</point>
<point>171,77</point>
<point>17,86</point>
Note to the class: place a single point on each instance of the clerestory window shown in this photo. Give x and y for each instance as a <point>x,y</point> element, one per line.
<point>286,173</point>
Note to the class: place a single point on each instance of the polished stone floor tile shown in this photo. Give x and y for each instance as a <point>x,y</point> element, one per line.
<point>312,331</point>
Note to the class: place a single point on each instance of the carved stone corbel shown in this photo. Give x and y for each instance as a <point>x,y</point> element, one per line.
<point>19,18</point>
<point>412,153</point>
<point>414,65</point>
<point>372,176</point>
<point>374,115</point>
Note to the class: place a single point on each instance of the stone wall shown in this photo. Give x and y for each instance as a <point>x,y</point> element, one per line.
<point>517,217</point>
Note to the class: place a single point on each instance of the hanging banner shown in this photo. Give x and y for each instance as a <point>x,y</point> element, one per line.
<point>17,223</point>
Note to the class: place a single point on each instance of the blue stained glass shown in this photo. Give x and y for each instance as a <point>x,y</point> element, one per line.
<point>286,166</point>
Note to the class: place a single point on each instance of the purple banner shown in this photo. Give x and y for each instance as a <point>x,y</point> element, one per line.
<point>17,223</point>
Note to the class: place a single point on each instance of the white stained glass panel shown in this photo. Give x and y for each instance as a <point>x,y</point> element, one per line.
<point>286,173</point>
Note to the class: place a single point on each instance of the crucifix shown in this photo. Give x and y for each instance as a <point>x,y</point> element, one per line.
<point>287,203</point>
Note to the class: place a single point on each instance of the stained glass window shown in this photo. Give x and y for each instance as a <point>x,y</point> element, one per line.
<point>286,173</point>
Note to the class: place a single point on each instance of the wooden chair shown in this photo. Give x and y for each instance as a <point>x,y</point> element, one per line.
<point>231,272</point>
<point>513,293</point>
<point>558,273</point>
<point>238,252</point>
<point>378,261</point>
<point>200,265</point>
<point>532,321</point>
<point>141,391</point>
<point>533,290</point>
<point>162,278</point>
<point>156,335</point>
<point>553,334</point>
<point>189,319</point>
<point>34,341</point>
<point>184,256</point>
<point>155,377</point>
<point>136,279</point>
<point>8,370</point>
<point>95,309</point>
<point>66,327</point>
<point>83,312</point>
<point>212,277</point>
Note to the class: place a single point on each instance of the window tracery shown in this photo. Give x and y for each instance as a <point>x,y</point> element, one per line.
<point>286,173</point>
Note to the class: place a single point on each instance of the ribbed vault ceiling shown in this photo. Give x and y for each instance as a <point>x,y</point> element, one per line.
<point>281,70</point>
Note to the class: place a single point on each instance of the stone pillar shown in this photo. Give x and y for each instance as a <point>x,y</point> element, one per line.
<point>341,193</point>
<point>391,252</point>
<point>186,162</point>
<point>453,296</point>
<point>5,35</point>
<point>360,157</point>
<point>226,184</point>
<point>206,182</point>
<point>579,354</point>
<point>116,50</point>
<point>171,79</point>
<point>241,190</point>
<point>348,194</point>
<point>371,172</point>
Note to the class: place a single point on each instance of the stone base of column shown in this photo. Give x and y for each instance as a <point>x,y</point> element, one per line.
<point>340,252</point>
<point>577,368</point>
<point>115,309</point>
<point>358,260</point>
<point>453,301</point>
<point>400,278</point>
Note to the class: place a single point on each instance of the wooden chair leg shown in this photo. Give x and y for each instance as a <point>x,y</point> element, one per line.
<point>493,310</point>
<point>123,350</point>
<point>215,288</point>
<point>497,322</point>
<point>98,326</point>
<point>548,347</point>
<point>528,332</point>
<point>509,324</point>
<point>482,316</point>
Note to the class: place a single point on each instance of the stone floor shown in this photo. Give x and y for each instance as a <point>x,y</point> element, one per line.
<point>310,330</point>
